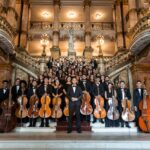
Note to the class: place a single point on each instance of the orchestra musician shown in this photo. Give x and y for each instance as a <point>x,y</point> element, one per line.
<point>74,93</point>
<point>137,97</point>
<point>45,89</point>
<point>123,93</point>
<point>33,89</point>
<point>98,90</point>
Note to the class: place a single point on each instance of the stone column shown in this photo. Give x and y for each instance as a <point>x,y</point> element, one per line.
<point>132,13</point>
<point>24,24</point>
<point>141,3</point>
<point>88,49</point>
<point>118,22</point>
<point>11,14</point>
<point>55,50</point>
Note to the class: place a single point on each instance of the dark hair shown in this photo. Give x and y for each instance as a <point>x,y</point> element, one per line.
<point>138,81</point>
<point>5,81</point>
<point>122,81</point>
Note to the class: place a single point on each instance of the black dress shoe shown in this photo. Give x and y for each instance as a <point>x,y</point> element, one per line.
<point>122,125</point>
<point>128,126</point>
<point>69,131</point>
<point>102,121</point>
<point>42,125</point>
<point>79,131</point>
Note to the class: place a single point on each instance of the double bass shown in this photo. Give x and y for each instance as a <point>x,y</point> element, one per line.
<point>144,107</point>
<point>127,113</point>
<point>86,108</point>
<point>8,120</point>
<point>99,111</point>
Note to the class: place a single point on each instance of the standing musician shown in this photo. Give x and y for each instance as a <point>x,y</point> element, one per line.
<point>74,93</point>
<point>109,93</point>
<point>85,86</point>
<point>98,90</point>
<point>45,89</point>
<point>123,93</point>
<point>31,91</point>
<point>137,97</point>
<point>15,90</point>
<point>4,92</point>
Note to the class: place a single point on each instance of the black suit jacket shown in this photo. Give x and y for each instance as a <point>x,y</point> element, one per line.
<point>98,90</point>
<point>30,92</point>
<point>14,93</point>
<point>87,86</point>
<point>119,94</point>
<point>4,96</point>
<point>76,94</point>
<point>41,91</point>
<point>137,97</point>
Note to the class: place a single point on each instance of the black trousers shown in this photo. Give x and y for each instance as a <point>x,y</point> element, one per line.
<point>74,106</point>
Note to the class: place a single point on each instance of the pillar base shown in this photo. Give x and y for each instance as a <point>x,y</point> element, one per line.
<point>55,52</point>
<point>88,52</point>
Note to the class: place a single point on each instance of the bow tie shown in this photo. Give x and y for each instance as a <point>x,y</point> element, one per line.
<point>74,86</point>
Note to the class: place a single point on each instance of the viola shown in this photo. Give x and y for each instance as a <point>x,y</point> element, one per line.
<point>86,108</point>
<point>56,110</point>
<point>33,111</point>
<point>127,113</point>
<point>144,119</point>
<point>113,113</point>
<point>99,111</point>
<point>45,110</point>
<point>66,109</point>
<point>8,120</point>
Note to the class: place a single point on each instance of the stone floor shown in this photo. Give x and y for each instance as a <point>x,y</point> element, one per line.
<point>74,141</point>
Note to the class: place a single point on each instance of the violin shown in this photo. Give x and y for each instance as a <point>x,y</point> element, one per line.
<point>113,113</point>
<point>66,109</point>
<point>33,111</point>
<point>144,107</point>
<point>21,111</point>
<point>99,111</point>
<point>8,120</point>
<point>86,108</point>
<point>45,110</point>
<point>127,113</point>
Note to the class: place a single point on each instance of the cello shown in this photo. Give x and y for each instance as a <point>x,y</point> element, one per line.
<point>8,120</point>
<point>66,109</point>
<point>144,107</point>
<point>99,111</point>
<point>33,111</point>
<point>86,108</point>
<point>127,113</point>
<point>45,110</point>
<point>21,111</point>
<point>113,113</point>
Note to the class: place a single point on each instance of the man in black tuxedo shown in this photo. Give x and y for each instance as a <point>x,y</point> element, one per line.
<point>4,92</point>
<point>74,93</point>
<point>15,89</point>
<point>123,93</point>
<point>45,89</point>
<point>98,90</point>
<point>137,97</point>
<point>31,91</point>
<point>85,86</point>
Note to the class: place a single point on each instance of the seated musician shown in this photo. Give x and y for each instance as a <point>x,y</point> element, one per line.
<point>97,91</point>
<point>123,93</point>
<point>31,91</point>
<point>74,93</point>
<point>85,86</point>
<point>137,97</point>
<point>45,89</point>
